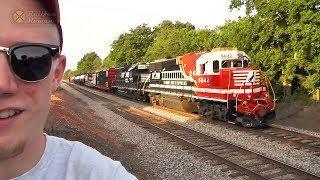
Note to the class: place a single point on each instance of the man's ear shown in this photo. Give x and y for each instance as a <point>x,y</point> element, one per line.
<point>58,72</point>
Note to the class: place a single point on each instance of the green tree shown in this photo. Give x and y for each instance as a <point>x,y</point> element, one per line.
<point>285,39</point>
<point>89,63</point>
<point>304,28</point>
<point>69,73</point>
<point>199,40</point>
<point>66,74</point>
<point>130,47</point>
<point>239,34</point>
<point>107,63</point>
<point>168,40</point>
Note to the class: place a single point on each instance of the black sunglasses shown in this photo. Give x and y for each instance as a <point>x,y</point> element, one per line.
<point>31,62</point>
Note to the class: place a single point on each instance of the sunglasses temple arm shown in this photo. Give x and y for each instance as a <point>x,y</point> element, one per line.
<point>4,49</point>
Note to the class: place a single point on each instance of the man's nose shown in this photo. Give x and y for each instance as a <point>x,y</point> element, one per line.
<point>8,81</point>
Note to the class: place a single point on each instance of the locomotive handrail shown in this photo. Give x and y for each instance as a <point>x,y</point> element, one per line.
<point>137,85</point>
<point>144,85</point>
<point>258,104</point>
<point>228,88</point>
<point>238,96</point>
<point>274,95</point>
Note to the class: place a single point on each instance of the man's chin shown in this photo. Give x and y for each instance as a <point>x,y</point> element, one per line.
<point>8,151</point>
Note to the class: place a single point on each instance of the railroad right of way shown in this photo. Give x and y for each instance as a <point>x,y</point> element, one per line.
<point>270,169</point>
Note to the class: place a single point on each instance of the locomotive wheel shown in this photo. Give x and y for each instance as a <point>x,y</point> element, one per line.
<point>212,115</point>
<point>222,113</point>
<point>160,101</point>
<point>153,101</point>
<point>146,97</point>
<point>201,108</point>
<point>136,96</point>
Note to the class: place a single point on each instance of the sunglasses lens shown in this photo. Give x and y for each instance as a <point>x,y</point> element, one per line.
<point>31,63</point>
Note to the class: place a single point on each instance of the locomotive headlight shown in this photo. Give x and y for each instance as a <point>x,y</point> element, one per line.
<point>249,96</point>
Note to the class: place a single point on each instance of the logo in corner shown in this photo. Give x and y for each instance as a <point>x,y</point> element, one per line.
<point>19,17</point>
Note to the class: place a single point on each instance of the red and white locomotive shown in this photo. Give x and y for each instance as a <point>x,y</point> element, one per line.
<point>219,84</point>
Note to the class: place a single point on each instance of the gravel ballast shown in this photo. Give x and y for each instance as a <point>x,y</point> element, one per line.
<point>167,159</point>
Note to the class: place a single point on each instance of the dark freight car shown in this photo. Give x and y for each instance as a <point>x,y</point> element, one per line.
<point>105,79</point>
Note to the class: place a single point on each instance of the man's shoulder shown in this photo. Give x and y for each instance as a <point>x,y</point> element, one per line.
<point>79,157</point>
<point>82,154</point>
<point>77,154</point>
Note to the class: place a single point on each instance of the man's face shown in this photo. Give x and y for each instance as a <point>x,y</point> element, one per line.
<point>32,99</point>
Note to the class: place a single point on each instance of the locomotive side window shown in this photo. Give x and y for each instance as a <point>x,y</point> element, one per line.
<point>215,66</point>
<point>202,68</point>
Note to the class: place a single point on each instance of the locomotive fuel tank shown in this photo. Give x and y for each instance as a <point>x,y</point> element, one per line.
<point>174,102</point>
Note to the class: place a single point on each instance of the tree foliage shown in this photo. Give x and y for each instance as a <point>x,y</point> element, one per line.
<point>67,74</point>
<point>107,63</point>
<point>168,40</point>
<point>286,38</point>
<point>130,47</point>
<point>281,37</point>
<point>89,63</point>
<point>199,40</point>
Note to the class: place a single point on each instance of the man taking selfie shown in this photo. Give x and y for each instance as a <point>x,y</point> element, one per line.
<point>31,68</point>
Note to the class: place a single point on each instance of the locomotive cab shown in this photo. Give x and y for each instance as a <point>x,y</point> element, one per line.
<point>211,63</point>
<point>215,72</point>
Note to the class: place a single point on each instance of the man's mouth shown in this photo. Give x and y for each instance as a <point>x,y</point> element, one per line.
<point>9,113</point>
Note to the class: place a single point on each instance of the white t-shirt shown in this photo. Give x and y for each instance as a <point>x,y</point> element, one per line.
<point>69,160</point>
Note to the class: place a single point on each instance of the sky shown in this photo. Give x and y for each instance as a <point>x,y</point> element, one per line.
<point>92,25</point>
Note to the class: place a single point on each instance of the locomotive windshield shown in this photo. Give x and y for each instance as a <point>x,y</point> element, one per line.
<point>235,63</point>
<point>226,64</point>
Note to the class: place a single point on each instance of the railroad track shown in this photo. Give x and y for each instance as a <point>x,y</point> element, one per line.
<point>239,161</point>
<point>297,140</point>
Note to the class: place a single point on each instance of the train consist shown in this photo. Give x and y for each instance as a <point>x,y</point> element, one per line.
<point>219,85</point>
